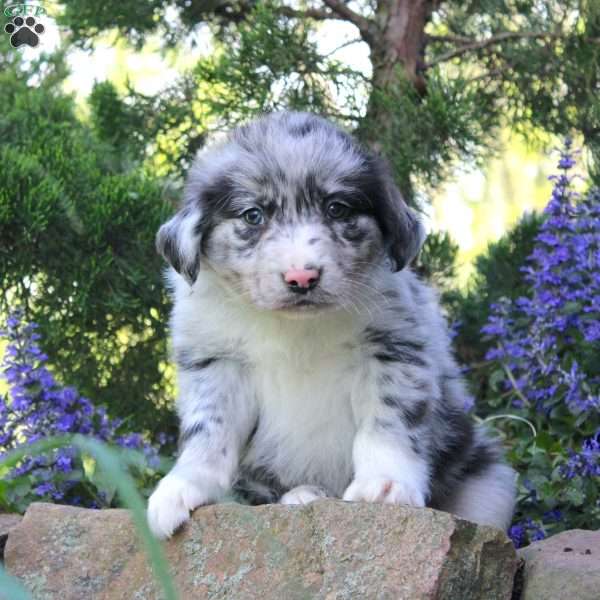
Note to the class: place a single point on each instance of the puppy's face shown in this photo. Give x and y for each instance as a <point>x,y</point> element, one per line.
<point>294,245</point>
<point>293,215</point>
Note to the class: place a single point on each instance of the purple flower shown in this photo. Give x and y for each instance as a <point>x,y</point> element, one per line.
<point>44,489</point>
<point>533,332</point>
<point>566,162</point>
<point>38,406</point>
<point>65,423</point>
<point>64,463</point>
<point>555,515</point>
<point>517,534</point>
<point>592,331</point>
<point>526,531</point>
<point>549,342</point>
<point>586,462</point>
<point>131,440</point>
<point>12,322</point>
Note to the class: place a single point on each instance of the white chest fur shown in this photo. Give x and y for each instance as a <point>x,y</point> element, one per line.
<point>303,375</point>
<point>306,424</point>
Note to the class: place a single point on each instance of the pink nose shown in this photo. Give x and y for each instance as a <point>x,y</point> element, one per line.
<point>301,280</point>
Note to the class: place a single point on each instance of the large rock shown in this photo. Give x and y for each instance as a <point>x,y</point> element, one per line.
<point>328,549</point>
<point>566,565</point>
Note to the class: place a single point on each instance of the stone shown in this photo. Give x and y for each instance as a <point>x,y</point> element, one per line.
<point>566,565</point>
<point>7,522</point>
<point>328,549</point>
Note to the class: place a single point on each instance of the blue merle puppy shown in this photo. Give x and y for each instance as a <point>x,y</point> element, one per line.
<point>311,362</point>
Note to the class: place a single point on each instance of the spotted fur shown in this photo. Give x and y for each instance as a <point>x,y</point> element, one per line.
<point>348,389</point>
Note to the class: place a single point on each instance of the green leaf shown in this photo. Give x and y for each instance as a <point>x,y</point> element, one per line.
<point>544,441</point>
<point>575,496</point>
<point>572,308</point>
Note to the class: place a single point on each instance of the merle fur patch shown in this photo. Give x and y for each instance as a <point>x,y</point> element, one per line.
<point>389,347</point>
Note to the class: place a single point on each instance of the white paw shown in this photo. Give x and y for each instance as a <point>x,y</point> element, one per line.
<point>383,490</point>
<point>303,494</point>
<point>171,503</point>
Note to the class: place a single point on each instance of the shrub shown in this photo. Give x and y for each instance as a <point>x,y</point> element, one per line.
<point>545,348</point>
<point>36,406</point>
<point>437,263</point>
<point>497,274</point>
<point>77,250</point>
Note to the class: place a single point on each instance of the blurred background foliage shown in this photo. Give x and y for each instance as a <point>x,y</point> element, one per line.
<point>76,224</point>
<point>98,126</point>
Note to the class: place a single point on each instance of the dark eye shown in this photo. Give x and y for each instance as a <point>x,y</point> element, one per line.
<point>254,216</point>
<point>337,210</point>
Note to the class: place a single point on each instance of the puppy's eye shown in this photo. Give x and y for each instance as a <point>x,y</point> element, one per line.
<point>254,216</point>
<point>337,210</point>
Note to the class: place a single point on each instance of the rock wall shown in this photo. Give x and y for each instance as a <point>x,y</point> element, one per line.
<point>329,549</point>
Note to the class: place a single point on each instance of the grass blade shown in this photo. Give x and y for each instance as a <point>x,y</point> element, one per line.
<point>11,587</point>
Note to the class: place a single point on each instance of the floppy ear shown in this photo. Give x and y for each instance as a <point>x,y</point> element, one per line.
<point>407,237</point>
<point>178,241</point>
<point>403,232</point>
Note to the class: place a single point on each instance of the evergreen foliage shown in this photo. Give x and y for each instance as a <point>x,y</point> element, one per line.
<point>497,275</point>
<point>437,263</point>
<point>77,249</point>
<point>444,77</point>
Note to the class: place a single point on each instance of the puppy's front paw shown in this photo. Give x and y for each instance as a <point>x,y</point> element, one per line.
<point>171,503</point>
<point>303,494</point>
<point>383,490</point>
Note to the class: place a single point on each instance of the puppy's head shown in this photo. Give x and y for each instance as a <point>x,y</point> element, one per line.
<point>293,214</point>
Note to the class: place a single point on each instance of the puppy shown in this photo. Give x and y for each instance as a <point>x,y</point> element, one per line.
<point>311,362</point>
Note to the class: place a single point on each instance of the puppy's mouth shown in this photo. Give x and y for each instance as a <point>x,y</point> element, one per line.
<point>304,304</point>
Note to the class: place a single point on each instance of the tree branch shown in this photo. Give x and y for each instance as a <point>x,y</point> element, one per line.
<point>307,13</point>
<point>344,45</point>
<point>363,24</point>
<point>475,45</point>
<point>453,39</point>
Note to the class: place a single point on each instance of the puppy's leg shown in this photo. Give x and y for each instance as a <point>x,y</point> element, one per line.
<point>386,468</point>
<point>392,409</point>
<point>303,494</point>
<point>217,414</point>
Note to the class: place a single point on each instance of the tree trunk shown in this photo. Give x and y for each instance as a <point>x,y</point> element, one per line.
<point>396,50</point>
<point>401,41</point>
